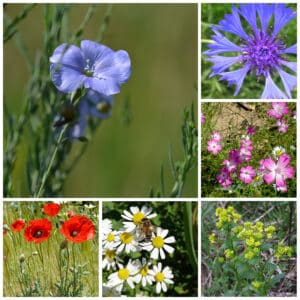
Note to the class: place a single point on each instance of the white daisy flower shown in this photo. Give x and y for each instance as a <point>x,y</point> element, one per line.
<point>162,277</point>
<point>110,259</point>
<point>144,275</point>
<point>136,216</point>
<point>127,242</point>
<point>159,243</point>
<point>106,227</point>
<point>124,274</point>
<point>111,240</point>
<point>277,151</point>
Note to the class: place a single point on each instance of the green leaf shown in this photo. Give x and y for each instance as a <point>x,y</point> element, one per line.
<point>276,279</point>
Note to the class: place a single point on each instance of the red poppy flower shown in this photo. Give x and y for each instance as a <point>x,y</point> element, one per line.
<point>18,225</point>
<point>51,209</point>
<point>38,231</point>
<point>78,229</point>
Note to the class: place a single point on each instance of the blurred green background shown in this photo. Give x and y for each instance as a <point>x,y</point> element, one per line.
<point>123,160</point>
<point>251,89</point>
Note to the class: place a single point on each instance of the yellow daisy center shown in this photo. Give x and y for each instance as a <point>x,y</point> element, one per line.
<point>110,237</point>
<point>158,242</point>
<point>159,277</point>
<point>110,254</point>
<point>126,238</point>
<point>138,217</point>
<point>144,271</point>
<point>278,152</point>
<point>123,274</point>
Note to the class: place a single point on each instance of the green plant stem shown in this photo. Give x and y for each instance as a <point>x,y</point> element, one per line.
<point>46,174</point>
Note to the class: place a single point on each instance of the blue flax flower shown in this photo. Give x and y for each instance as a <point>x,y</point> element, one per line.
<point>93,66</point>
<point>92,104</point>
<point>261,52</point>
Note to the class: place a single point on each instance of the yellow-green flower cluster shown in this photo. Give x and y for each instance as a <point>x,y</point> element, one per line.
<point>212,238</point>
<point>256,284</point>
<point>226,216</point>
<point>283,251</point>
<point>229,253</point>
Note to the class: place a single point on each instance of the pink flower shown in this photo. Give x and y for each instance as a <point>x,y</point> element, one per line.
<point>247,174</point>
<point>231,165</point>
<point>250,130</point>
<point>202,118</point>
<point>234,155</point>
<point>245,153</point>
<point>224,178</point>
<point>279,109</point>
<point>261,168</point>
<point>216,136</point>
<point>279,171</point>
<point>247,143</point>
<point>214,147</point>
<point>282,126</point>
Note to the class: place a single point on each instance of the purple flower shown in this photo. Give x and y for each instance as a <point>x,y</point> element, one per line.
<point>282,126</point>
<point>261,52</point>
<point>250,130</point>
<point>278,110</point>
<point>231,165</point>
<point>93,66</point>
<point>279,171</point>
<point>202,118</point>
<point>224,178</point>
<point>245,153</point>
<point>92,104</point>
<point>247,174</point>
<point>247,143</point>
<point>216,136</point>
<point>214,147</point>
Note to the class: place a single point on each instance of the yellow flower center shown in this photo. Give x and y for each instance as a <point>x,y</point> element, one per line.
<point>158,242</point>
<point>110,254</point>
<point>110,237</point>
<point>144,271</point>
<point>138,217</point>
<point>126,238</point>
<point>278,152</point>
<point>159,277</point>
<point>123,274</point>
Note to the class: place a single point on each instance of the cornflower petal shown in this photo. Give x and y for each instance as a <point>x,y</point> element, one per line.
<point>221,44</point>
<point>248,11</point>
<point>292,49</point>
<point>291,65</point>
<point>289,81</point>
<point>271,90</point>
<point>221,63</point>
<point>282,15</point>
<point>232,24</point>
<point>265,12</point>
<point>236,77</point>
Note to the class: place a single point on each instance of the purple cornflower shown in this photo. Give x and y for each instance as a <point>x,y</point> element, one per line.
<point>247,174</point>
<point>260,52</point>
<point>278,110</point>
<point>93,66</point>
<point>282,126</point>
<point>279,171</point>
<point>214,147</point>
<point>224,178</point>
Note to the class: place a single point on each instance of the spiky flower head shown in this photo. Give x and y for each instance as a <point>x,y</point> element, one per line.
<point>261,52</point>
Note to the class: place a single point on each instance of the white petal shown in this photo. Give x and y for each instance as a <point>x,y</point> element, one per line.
<point>154,253</point>
<point>127,214</point>
<point>130,282</point>
<point>164,287</point>
<point>170,240</point>
<point>158,288</point>
<point>168,281</point>
<point>162,253</point>
<point>168,248</point>
<point>134,209</point>
<point>152,216</point>
<point>144,282</point>
<point>164,233</point>
<point>148,247</point>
